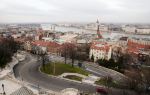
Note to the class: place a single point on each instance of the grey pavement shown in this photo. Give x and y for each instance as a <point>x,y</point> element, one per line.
<point>28,71</point>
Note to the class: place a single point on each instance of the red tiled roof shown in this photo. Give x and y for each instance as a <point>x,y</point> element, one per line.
<point>137,45</point>
<point>40,43</point>
<point>68,44</point>
<point>46,44</point>
<point>133,50</point>
<point>134,47</point>
<point>104,47</point>
<point>54,44</point>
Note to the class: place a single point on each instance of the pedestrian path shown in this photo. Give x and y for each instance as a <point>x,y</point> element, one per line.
<point>9,86</point>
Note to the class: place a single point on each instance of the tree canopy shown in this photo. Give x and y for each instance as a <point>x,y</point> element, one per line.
<point>118,66</point>
<point>7,48</point>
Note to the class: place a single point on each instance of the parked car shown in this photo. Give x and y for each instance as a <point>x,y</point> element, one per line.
<point>102,91</point>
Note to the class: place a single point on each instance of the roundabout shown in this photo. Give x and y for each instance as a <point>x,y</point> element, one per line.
<point>28,71</point>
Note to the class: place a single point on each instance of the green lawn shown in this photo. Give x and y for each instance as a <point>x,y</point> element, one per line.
<point>61,68</point>
<point>72,77</point>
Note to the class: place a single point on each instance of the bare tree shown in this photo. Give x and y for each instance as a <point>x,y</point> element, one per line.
<point>64,51</point>
<point>136,81</point>
<point>72,54</point>
<point>43,59</point>
<point>69,51</point>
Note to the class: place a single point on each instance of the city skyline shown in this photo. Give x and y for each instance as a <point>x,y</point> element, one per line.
<point>37,11</point>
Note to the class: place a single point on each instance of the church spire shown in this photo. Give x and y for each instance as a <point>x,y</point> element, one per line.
<point>98,31</point>
<point>97,21</point>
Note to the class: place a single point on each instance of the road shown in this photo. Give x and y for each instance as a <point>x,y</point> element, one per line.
<point>104,72</point>
<point>28,71</point>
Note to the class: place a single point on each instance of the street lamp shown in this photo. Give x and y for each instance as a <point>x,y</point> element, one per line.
<point>3,89</point>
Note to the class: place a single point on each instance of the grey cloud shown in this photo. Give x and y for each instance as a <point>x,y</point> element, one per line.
<point>74,10</point>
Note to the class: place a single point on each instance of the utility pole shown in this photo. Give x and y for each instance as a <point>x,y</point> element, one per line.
<point>54,69</point>
<point>22,81</point>
<point>38,88</point>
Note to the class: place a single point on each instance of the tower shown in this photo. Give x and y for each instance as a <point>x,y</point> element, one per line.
<point>98,31</point>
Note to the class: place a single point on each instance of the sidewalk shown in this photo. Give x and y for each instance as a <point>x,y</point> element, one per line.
<point>9,68</point>
<point>9,86</point>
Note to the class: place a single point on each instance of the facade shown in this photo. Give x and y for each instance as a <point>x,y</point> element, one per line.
<point>100,50</point>
<point>123,41</point>
<point>46,47</point>
<point>38,37</point>
<point>39,47</point>
<point>93,26</point>
<point>16,36</point>
<point>68,38</point>
<point>47,38</point>
<point>27,46</point>
<point>136,45</point>
<point>143,31</point>
<point>137,30</point>
<point>104,28</point>
<point>54,48</point>
<point>129,29</point>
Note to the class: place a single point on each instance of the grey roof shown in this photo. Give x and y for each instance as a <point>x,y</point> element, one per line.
<point>22,91</point>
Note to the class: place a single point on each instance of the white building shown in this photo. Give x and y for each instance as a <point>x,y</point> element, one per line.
<point>67,38</point>
<point>93,26</point>
<point>129,29</point>
<point>16,36</point>
<point>27,46</point>
<point>100,50</point>
<point>103,28</point>
<point>143,31</point>
<point>47,38</point>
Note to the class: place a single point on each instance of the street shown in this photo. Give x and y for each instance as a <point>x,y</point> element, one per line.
<point>28,71</point>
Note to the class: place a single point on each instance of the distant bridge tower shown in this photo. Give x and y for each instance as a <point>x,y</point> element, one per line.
<point>98,31</point>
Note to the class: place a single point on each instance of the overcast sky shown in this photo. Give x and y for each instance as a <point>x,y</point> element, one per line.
<point>131,11</point>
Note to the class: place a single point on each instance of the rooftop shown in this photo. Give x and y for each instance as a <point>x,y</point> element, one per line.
<point>100,46</point>
<point>22,91</point>
<point>45,43</point>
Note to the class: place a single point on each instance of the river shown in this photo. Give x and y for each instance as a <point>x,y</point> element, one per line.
<point>111,35</point>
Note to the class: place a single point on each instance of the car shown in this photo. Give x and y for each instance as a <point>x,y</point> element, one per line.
<point>148,89</point>
<point>101,90</point>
